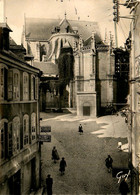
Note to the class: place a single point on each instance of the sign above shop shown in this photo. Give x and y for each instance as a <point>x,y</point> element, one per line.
<point>44,138</point>
<point>45,129</point>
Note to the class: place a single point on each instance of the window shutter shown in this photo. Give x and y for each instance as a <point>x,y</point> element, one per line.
<point>25,86</point>
<point>10,84</point>
<point>27,130</point>
<point>10,144</point>
<point>2,83</point>
<point>5,83</point>
<point>6,138</point>
<point>36,88</point>
<point>2,143</point>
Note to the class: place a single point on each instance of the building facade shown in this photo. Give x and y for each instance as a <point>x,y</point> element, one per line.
<point>93,87</point>
<point>19,121</point>
<point>134,96</point>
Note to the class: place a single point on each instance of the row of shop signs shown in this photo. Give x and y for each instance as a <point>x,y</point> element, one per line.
<point>44,135</point>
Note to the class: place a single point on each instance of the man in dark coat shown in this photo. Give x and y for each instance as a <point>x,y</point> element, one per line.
<point>123,187</point>
<point>62,166</point>
<point>109,162</point>
<point>49,183</point>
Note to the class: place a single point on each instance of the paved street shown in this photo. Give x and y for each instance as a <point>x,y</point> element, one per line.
<point>85,154</point>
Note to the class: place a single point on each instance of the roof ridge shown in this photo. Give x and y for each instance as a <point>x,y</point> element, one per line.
<point>62,19</point>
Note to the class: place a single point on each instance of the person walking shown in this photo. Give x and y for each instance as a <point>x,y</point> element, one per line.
<point>49,183</point>
<point>123,188</point>
<point>80,129</point>
<point>62,166</point>
<point>55,155</point>
<point>109,162</point>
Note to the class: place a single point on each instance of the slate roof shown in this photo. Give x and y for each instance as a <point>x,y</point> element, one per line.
<point>48,68</point>
<point>41,28</point>
<point>14,46</point>
<point>97,40</point>
<point>64,24</point>
<point>14,59</point>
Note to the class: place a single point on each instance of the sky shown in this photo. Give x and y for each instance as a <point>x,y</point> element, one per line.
<point>100,11</point>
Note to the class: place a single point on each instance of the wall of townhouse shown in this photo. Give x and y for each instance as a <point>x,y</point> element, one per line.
<point>21,162</point>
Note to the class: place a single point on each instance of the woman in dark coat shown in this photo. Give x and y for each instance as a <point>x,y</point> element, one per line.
<point>55,155</point>
<point>62,166</point>
<point>80,129</point>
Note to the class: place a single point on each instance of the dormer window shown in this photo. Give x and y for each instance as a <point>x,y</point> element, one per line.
<point>67,29</point>
<point>57,29</point>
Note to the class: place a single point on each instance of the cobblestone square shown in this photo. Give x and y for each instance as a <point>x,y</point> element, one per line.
<point>85,154</point>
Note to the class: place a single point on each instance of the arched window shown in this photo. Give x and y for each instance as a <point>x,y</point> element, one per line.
<point>16,135</point>
<point>25,129</point>
<point>25,86</point>
<point>3,138</point>
<point>33,126</point>
<point>13,84</point>
<point>3,82</point>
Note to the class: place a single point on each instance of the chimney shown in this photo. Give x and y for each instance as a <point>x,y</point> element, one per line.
<point>4,28</point>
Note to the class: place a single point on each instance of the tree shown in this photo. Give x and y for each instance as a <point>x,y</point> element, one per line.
<point>65,68</point>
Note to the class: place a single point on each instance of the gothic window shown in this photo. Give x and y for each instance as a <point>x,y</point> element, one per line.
<point>33,126</point>
<point>25,130</point>
<point>25,86</point>
<point>3,82</point>
<point>3,138</point>
<point>16,135</point>
<point>32,87</point>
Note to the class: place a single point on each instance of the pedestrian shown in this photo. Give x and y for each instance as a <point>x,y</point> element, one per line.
<point>62,166</point>
<point>109,162</point>
<point>55,155</point>
<point>80,129</point>
<point>49,183</point>
<point>123,188</point>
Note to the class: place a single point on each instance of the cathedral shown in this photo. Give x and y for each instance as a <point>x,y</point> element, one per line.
<point>93,87</point>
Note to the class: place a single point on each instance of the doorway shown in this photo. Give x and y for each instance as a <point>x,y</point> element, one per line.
<point>86,110</point>
<point>33,174</point>
<point>14,184</point>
